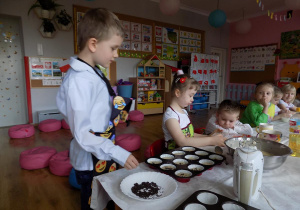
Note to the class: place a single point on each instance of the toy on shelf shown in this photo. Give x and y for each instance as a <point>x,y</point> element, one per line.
<point>157,97</point>
<point>150,95</point>
<point>148,68</point>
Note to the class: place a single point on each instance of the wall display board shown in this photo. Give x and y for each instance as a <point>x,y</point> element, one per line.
<point>253,58</point>
<point>44,72</point>
<point>144,37</point>
<point>290,45</point>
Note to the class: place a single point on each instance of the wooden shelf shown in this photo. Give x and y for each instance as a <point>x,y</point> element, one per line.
<point>147,102</point>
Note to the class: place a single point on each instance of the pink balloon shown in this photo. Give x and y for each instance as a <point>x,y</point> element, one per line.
<point>169,7</point>
<point>292,4</point>
<point>243,26</point>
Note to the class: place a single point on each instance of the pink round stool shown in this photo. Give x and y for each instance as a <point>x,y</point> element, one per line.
<point>59,164</point>
<point>21,131</point>
<point>136,115</point>
<point>130,142</point>
<point>64,124</point>
<point>49,125</point>
<point>36,158</point>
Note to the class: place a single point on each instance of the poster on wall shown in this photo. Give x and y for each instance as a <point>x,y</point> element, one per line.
<point>290,45</point>
<point>170,36</point>
<point>252,58</point>
<point>46,69</point>
<point>205,68</point>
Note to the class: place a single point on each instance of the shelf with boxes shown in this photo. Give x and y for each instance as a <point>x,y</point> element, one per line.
<point>204,98</point>
<point>149,86</point>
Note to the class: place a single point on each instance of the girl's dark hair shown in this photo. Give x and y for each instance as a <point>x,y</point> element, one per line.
<point>183,82</point>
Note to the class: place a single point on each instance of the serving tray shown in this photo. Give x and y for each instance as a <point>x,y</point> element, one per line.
<point>204,199</point>
<point>183,163</point>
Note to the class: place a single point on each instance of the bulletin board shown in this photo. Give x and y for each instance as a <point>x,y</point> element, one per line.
<point>255,65</point>
<point>144,37</point>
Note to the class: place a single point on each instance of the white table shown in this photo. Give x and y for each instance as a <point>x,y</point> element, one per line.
<point>281,186</point>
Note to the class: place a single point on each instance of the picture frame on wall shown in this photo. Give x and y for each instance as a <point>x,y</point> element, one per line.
<point>78,13</point>
<point>298,77</point>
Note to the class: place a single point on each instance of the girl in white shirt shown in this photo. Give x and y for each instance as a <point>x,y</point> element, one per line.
<point>289,94</point>
<point>177,127</point>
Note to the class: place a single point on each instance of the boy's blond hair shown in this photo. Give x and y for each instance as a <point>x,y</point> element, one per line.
<point>100,24</point>
<point>263,84</point>
<point>287,88</point>
<point>183,83</point>
<point>229,106</point>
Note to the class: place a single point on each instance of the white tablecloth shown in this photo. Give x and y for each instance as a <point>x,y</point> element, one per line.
<point>281,186</point>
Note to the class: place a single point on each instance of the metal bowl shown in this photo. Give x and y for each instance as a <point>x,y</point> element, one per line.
<point>274,153</point>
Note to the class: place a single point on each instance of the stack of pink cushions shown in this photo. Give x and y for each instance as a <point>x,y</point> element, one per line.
<point>21,131</point>
<point>136,115</point>
<point>130,142</point>
<point>49,125</point>
<point>36,158</point>
<point>59,164</point>
<point>64,124</point>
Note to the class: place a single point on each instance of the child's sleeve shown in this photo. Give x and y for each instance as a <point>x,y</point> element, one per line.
<point>243,128</point>
<point>253,115</point>
<point>212,125</point>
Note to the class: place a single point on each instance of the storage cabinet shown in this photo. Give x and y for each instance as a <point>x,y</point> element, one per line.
<point>204,98</point>
<point>149,86</point>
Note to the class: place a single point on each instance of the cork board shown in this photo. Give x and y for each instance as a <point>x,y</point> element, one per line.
<point>252,77</point>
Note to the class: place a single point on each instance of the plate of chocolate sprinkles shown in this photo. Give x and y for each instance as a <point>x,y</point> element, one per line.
<point>148,186</point>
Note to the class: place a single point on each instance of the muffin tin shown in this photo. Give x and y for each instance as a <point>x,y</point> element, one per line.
<point>184,163</point>
<point>204,199</point>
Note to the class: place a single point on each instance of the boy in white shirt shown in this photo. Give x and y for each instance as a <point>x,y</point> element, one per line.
<point>226,121</point>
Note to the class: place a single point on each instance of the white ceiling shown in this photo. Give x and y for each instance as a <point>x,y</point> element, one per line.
<point>234,9</point>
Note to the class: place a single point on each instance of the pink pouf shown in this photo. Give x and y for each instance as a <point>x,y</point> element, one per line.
<point>50,125</point>
<point>130,142</point>
<point>59,164</point>
<point>36,158</point>
<point>64,124</point>
<point>21,131</point>
<point>136,115</point>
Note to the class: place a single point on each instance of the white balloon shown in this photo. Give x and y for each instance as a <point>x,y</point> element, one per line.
<point>169,7</point>
<point>243,26</point>
<point>292,4</point>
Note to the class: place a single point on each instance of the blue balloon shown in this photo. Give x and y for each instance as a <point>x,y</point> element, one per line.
<point>217,18</point>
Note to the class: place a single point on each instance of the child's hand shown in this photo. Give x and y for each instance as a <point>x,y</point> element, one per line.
<point>218,140</point>
<point>265,102</point>
<point>131,163</point>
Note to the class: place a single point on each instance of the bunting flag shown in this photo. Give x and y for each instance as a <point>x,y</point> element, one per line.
<point>274,16</point>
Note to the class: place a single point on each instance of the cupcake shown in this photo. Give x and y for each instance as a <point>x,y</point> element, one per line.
<point>201,153</point>
<point>166,157</point>
<point>206,162</point>
<point>168,167</point>
<point>191,157</point>
<point>195,167</point>
<point>154,161</point>
<point>183,173</point>
<point>180,162</point>
<point>216,157</point>
<point>178,152</point>
<point>188,149</point>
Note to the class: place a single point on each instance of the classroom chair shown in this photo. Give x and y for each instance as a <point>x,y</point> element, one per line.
<point>156,148</point>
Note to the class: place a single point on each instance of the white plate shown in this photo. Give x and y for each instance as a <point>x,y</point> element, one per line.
<point>168,184</point>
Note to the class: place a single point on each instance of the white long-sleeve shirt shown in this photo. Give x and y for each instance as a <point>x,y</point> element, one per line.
<point>84,101</point>
<point>239,128</point>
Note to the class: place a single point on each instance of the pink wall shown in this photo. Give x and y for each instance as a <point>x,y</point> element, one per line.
<point>264,31</point>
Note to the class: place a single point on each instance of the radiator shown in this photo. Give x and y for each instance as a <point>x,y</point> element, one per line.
<point>49,114</point>
<point>238,92</point>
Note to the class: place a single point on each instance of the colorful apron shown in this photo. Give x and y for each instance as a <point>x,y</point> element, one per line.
<point>188,131</point>
<point>271,112</point>
<point>120,110</point>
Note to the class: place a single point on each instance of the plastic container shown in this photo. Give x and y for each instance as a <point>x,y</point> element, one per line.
<point>125,90</point>
<point>294,137</point>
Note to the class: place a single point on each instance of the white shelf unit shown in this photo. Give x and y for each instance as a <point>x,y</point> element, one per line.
<point>209,91</point>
